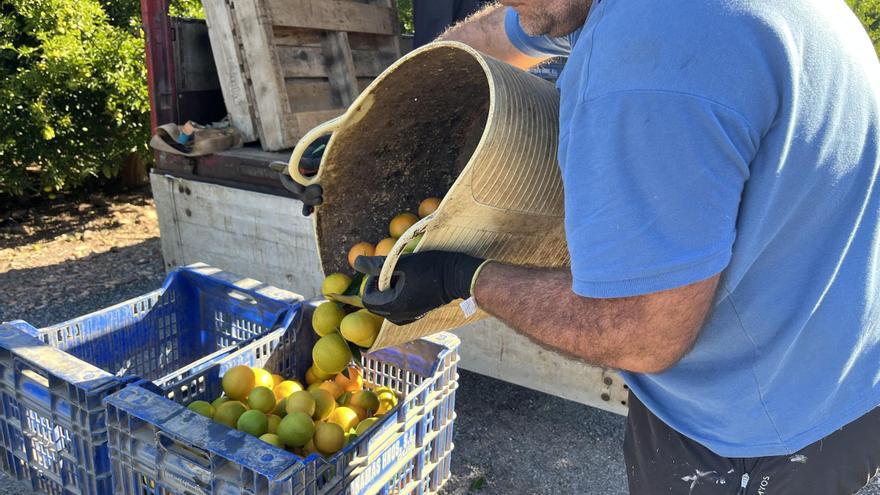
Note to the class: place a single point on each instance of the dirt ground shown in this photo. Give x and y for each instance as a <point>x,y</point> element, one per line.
<point>55,257</point>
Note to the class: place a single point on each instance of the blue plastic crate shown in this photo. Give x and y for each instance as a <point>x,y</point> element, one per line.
<point>53,430</point>
<point>157,446</point>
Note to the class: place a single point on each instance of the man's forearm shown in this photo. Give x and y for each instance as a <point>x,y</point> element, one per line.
<point>641,334</point>
<point>485,32</point>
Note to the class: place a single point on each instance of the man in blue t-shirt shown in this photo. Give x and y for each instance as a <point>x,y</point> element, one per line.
<point>720,163</point>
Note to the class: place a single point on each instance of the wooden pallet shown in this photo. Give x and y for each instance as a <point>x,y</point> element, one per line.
<point>300,62</point>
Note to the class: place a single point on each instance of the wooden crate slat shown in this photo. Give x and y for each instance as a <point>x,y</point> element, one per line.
<point>334,15</point>
<point>268,88</point>
<point>306,61</point>
<point>340,66</point>
<point>300,62</point>
<point>309,120</point>
<point>224,46</point>
<point>308,95</point>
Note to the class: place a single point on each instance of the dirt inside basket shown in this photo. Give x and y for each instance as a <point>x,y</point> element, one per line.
<point>412,143</point>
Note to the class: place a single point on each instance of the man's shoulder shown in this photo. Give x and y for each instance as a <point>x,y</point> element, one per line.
<point>707,48</point>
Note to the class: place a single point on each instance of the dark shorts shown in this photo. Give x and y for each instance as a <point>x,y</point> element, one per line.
<point>659,460</point>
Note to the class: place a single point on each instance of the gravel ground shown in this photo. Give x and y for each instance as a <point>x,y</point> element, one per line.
<point>508,439</point>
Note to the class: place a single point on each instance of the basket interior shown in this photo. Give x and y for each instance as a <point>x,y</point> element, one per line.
<point>421,129</point>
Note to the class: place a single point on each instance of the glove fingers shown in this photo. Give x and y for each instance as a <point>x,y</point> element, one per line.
<point>369,265</point>
<point>307,209</point>
<point>313,192</point>
<point>290,184</point>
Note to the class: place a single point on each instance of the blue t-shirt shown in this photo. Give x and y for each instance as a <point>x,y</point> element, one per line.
<point>701,136</point>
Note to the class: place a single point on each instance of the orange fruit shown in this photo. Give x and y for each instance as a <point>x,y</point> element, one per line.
<point>272,439</point>
<point>331,353</point>
<point>384,246</point>
<point>345,417</point>
<point>273,422</point>
<point>296,429</point>
<point>253,422</point>
<point>365,399</point>
<point>326,318</point>
<point>401,223</point>
<point>286,388</point>
<point>353,382</point>
<point>276,379</point>
<point>332,387</point>
<point>324,404</point>
<point>329,438</point>
<point>360,328</point>
<point>229,412</point>
<point>335,283</point>
<point>238,382</point>
<point>361,413</point>
<point>202,407</point>
<point>360,249</point>
<point>315,374</point>
<point>301,401</point>
<point>263,378</point>
<point>427,206</point>
<point>262,399</point>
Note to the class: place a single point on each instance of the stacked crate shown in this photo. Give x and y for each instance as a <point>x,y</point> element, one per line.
<point>286,66</point>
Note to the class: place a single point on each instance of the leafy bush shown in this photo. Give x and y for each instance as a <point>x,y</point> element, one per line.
<point>405,13</point>
<point>868,12</point>
<point>73,96</point>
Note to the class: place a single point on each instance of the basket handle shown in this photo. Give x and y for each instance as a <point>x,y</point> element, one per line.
<point>300,148</point>
<point>396,252</point>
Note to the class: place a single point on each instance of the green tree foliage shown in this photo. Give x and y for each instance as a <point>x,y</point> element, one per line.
<point>73,96</point>
<point>868,12</point>
<point>405,12</point>
<point>191,9</point>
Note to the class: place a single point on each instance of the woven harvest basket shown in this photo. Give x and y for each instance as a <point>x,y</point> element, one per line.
<point>450,122</point>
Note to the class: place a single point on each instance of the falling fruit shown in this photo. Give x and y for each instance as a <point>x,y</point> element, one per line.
<point>428,206</point>
<point>335,283</point>
<point>384,246</point>
<point>331,353</point>
<point>327,317</point>
<point>360,249</point>
<point>361,328</point>
<point>401,223</point>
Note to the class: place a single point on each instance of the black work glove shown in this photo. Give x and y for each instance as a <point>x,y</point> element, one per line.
<point>311,196</point>
<point>421,282</point>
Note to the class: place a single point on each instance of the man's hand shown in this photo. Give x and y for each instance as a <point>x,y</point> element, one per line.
<point>421,282</point>
<point>311,196</point>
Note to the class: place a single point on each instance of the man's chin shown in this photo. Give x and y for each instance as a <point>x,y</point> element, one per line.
<point>532,26</point>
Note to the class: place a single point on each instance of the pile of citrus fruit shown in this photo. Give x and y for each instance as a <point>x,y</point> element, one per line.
<point>323,418</point>
<point>343,318</point>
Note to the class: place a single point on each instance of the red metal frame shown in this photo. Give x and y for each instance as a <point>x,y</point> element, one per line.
<point>160,61</point>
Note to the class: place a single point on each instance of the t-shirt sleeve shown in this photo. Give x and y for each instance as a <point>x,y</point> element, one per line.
<point>534,46</point>
<point>653,181</point>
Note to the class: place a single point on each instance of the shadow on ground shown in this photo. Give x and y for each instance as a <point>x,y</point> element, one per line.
<point>50,294</point>
<point>509,439</point>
